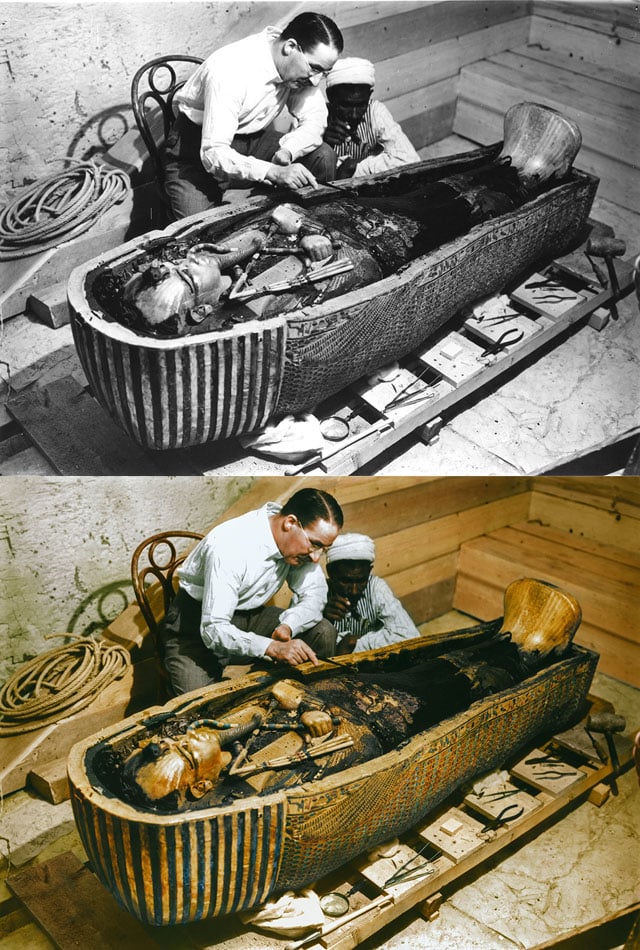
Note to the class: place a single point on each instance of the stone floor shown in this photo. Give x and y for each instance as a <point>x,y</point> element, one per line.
<point>576,871</point>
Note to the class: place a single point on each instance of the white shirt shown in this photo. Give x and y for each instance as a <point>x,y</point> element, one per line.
<point>382,146</point>
<point>383,619</point>
<point>238,566</point>
<point>238,90</point>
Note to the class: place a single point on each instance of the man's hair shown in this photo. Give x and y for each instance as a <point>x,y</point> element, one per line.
<point>310,29</point>
<point>311,504</point>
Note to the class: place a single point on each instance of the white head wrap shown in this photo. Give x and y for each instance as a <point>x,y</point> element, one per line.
<point>353,71</point>
<point>352,547</point>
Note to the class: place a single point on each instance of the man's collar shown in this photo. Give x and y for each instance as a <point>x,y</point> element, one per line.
<point>270,34</point>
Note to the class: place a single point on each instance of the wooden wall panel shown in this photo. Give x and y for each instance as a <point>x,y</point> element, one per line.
<point>609,520</point>
<point>424,26</point>
<point>618,20</point>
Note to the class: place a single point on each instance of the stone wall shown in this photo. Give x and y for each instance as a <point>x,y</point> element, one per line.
<point>66,70</point>
<point>66,545</point>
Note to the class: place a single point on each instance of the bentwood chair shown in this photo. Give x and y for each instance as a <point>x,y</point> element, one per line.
<point>153,574</point>
<point>153,89</point>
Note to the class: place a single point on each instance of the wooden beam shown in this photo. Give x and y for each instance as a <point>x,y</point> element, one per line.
<point>74,909</point>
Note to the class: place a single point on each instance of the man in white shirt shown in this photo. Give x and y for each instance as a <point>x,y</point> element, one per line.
<point>361,130</point>
<point>362,607</point>
<point>225,108</point>
<point>219,611</point>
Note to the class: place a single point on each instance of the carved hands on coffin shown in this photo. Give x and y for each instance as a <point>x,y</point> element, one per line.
<point>316,247</point>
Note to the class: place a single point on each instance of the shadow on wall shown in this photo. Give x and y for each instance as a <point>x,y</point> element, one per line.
<point>101,131</point>
<point>100,608</point>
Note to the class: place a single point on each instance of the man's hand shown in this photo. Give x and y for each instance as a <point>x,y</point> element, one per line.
<point>291,176</point>
<point>292,652</point>
<point>282,633</point>
<point>282,157</point>
<point>348,168</point>
<point>336,607</point>
<point>336,132</point>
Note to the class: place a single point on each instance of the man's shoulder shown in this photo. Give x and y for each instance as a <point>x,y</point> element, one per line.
<point>230,53</point>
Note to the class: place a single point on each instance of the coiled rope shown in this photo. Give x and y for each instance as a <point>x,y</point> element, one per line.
<point>59,207</point>
<point>59,682</point>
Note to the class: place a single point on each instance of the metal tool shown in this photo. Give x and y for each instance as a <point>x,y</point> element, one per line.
<point>508,813</point>
<point>403,394</point>
<point>508,338</point>
<point>405,870</point>
<point>607,723</point>
<point>607,248</point>
<point>496,796</point>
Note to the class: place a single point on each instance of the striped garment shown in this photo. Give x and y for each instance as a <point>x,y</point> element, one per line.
<point>381,618</point>
<point>381,144</point>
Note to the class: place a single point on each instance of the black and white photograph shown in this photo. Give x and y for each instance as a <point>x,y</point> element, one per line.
<point>319,475</point>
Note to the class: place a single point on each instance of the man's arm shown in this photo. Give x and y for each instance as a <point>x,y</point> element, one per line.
<point>309,111</point>
<point>396,624</point>
<point>309,589</point>
<point>223,574</point>
<point>396,149</point>
<point>223,97</point>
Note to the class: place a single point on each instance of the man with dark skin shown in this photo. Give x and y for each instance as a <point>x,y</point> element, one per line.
<point>362,607</point>
<point>360,129</point>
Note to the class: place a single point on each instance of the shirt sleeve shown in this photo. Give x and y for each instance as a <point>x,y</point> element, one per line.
<point>309,111</point>
<point>309,589</point>
<point>395,148</point>
<point>223,98</point>
<point>222,580</point>
<point>396,624</point>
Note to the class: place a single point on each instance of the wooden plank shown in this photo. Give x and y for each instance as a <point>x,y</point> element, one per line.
<point>612,606</point>
<point>607,552</point>
<point>430,126</point>
<point>617,22</point>
<point>28,462</point>
<point>50,305</point>
<point>585,557</point>
<point>431,602</point>
<point>502,86</point>
<point>604,95</point>
<point>610,494</point>
<point>580,518</point>
<point>404,549</point>
<point>575,61</point>
<point>447,872</point>
<point>75,434</point>
<point>422,502</point>
<point>73,908</point>
<point>405,583</point>
<point>426,25</point>
<point>413,70</point>
<point>50,780</point>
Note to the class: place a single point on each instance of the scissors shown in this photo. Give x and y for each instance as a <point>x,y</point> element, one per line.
<point>508,338</point>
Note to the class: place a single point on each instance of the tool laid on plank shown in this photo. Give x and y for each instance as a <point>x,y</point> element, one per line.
<point>607,248</point>
<point>606,723</point>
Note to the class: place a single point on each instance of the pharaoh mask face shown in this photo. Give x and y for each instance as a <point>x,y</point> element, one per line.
<point>190,762</point>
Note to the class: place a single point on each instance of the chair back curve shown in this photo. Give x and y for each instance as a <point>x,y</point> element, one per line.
<point>155,84</point>
<point>153,573</point>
